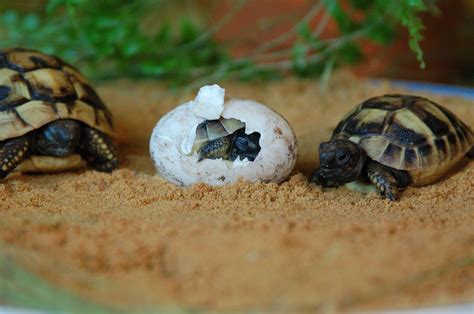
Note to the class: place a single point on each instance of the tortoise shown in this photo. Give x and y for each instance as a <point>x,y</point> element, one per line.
<point>390,142</point>
<point>50,117</point>
<point>226,139</point>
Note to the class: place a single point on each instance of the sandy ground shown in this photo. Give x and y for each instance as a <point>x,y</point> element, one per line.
<point>131,240</point>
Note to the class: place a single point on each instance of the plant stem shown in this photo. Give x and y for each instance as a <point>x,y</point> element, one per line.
<point>287,35</point>
<point>322,24</point>
<point>215,28</point>
<point>332,46</point>
<point>286,52</point>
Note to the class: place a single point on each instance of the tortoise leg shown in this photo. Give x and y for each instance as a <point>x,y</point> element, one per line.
<point>13,152</point>
<point>388,181</point>
<point>97,149</point>
<point>218,148</point>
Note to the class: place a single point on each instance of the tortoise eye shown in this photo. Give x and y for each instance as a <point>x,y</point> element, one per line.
<point>342,157</point>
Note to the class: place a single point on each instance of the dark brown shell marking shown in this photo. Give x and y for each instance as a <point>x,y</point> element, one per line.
<point>28,75</point>
<point>416,131</point>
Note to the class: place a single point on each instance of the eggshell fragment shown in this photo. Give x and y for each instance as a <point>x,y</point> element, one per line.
<point>173,137</point>
<point>209,102</point>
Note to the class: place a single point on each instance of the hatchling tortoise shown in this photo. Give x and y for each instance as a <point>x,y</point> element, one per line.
<point>226,139</point>
<point>392,141</point>
<point>51,119</point>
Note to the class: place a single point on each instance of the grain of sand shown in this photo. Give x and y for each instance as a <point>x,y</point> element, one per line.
<point>131,240</point>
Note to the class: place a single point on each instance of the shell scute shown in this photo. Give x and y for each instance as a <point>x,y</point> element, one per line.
<point>406,128</point>
<point>215,130</point>
<point>409,133</point>
<point>389,102</point>
<point>449,115</point>
<point>410,159</point>
<point>231,125</point>
<point>25,60</point>
<point>431,116</point>
<point>36,113</point>
<point>375,146</point>
<point>427,155</point>
<point>4,92</point>
<point>442,148</point>
<point>453,144</point>
<point>50,85</point>
<point>366,121</point>
<point>37,88</point>
<point>15,90</point>
<point>393,155</point>
<point>212,130</point>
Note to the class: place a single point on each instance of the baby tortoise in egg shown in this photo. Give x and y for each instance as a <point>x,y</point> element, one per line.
<point>50,116</point>
<point>226,139</point>
<point>393,141</point>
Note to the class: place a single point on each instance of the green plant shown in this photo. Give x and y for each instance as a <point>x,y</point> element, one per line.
<point>107,39</point>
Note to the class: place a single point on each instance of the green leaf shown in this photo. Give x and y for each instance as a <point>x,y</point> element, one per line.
<point>384,33</point>
<point>350,53</point>
<point>362,4</point>
<point>299,52</point>
<point>188,32</point>
<point>406,14</point>
<point>343,20</point>
<point>164,34</point>
<point>152,69</point>
<point>304,31</point>
<point>10,18</point>
<point>53,5</point>
<point>30,22</point>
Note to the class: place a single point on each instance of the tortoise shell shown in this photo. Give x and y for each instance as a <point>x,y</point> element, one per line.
<point>36,89</point>
<point>213,129</point>
<point>408,133</point>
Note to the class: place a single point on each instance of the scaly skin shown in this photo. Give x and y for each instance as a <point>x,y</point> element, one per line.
<point>97,149</point>
<point>13,152</point>
<point>218,148</point>
<point>383,180</point>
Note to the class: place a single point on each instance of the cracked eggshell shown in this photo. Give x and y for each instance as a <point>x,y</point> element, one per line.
<point>173,136</point>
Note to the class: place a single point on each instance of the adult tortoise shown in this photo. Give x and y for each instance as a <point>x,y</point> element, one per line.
<point>393,141</point>
<point>50,117</point>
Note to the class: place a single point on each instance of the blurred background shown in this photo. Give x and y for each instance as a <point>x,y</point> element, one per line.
<point>185,42</point>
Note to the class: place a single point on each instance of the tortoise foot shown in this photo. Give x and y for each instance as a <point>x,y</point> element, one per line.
<point>98,150</point>
<point>13,152</point>
<point>385,181</point>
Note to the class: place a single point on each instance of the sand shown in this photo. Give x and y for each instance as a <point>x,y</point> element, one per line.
<point>130,240</point>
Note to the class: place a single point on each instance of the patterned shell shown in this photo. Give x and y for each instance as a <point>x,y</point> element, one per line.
<point>36,89</point>
<point>407,132</point>
<point>213,129</point>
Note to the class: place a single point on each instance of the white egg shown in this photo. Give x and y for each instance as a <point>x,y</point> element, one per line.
<point>171,143</point>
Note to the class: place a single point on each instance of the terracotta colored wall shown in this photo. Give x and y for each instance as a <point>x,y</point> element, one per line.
<point>448,44</point>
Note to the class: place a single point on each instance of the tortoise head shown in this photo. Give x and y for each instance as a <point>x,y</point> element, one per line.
<point>58,138</point>
<point>245,145</point>
<point>340,162</point>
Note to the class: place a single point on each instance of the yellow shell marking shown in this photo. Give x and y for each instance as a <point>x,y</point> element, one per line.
<point>12,79</point>
<point>411,121</point>
<point>50,81</point>
<point>372,116</point>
